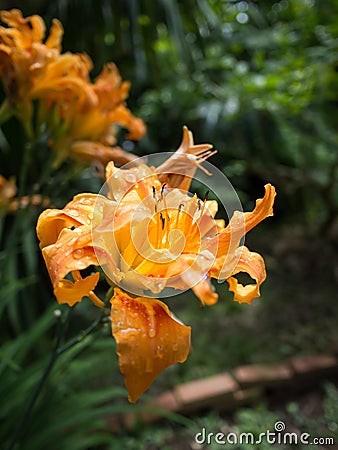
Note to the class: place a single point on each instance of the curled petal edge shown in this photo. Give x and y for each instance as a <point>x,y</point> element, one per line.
<point>253,264</point>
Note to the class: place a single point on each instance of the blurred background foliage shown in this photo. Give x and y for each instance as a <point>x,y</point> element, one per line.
<point>258,80</point>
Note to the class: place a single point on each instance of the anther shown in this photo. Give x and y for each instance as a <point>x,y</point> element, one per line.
<point>162,220</point>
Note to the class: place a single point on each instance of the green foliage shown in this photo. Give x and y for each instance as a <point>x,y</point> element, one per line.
<point>326,425</point>
<point>73,404</point>
<point>258,80</point>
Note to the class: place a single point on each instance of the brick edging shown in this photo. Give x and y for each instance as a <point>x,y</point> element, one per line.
<point>229,390</point>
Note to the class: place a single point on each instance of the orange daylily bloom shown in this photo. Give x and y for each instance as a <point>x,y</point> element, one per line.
<point>149,234</point>
<point>7,191</point>
<point>10,203</point>
<point>81,116</point>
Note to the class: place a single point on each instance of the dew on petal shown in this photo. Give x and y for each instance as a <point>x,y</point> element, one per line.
<point>131,178</point>
<point>78,264</point>
<point>73,212</point>
<point>152,326</point>
<point>78,253</point>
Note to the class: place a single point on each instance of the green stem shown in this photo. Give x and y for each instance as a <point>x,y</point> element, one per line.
<point>58,350</point>
<point>27,158</point>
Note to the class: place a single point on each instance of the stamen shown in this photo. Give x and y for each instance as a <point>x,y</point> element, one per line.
<point>162,220</point>
<point>180,207</point>
<point>166,210</point>
<point>200,157</point>
<point>95,299</point>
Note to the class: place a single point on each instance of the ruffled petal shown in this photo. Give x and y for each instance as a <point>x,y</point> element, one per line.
<point>263,208</point>
<point>229,238</point>
<point>55,35</point>
<point>70,292</point>
<point>253,264</point>
<point>76,213</point>
<point>148,340</point>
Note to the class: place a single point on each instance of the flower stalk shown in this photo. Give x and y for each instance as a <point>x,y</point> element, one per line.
<point>59,349</point>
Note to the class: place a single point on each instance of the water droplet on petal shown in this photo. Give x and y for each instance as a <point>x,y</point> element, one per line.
<point>159,351</point>
<point>78,253</point>
<point>78,265</point>
<point>131,178</point>
<point>73,212</point>
<point>151,332</point>
<point>72,241</point>
<point>159,286</point>
<point>151,326</point>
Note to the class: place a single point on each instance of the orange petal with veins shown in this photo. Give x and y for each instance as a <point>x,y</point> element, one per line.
<point>148,340</point>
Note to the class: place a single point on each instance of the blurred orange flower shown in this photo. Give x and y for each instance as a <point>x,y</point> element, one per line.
<point>149,234</point>
<point>7,191</point>
<point>80,116</point>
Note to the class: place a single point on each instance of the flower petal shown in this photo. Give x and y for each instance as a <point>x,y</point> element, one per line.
<point>253,264</point>
<point>205,292</point>
<point>76,213</point>
<point>263,208</point>
<point>70,292</point>
<point>240,223</point>
<point>148,340</point>
<point>180,168</point>
<point>97,152</point>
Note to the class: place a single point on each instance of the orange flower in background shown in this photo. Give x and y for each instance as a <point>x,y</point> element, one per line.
<point>149,234</point>
<point>7,191</point>
<point>80,116</point>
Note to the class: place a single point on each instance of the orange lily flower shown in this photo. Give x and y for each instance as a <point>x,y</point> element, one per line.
<point>147,235</point>
<point>7,191</point>
<point>82,117</point>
